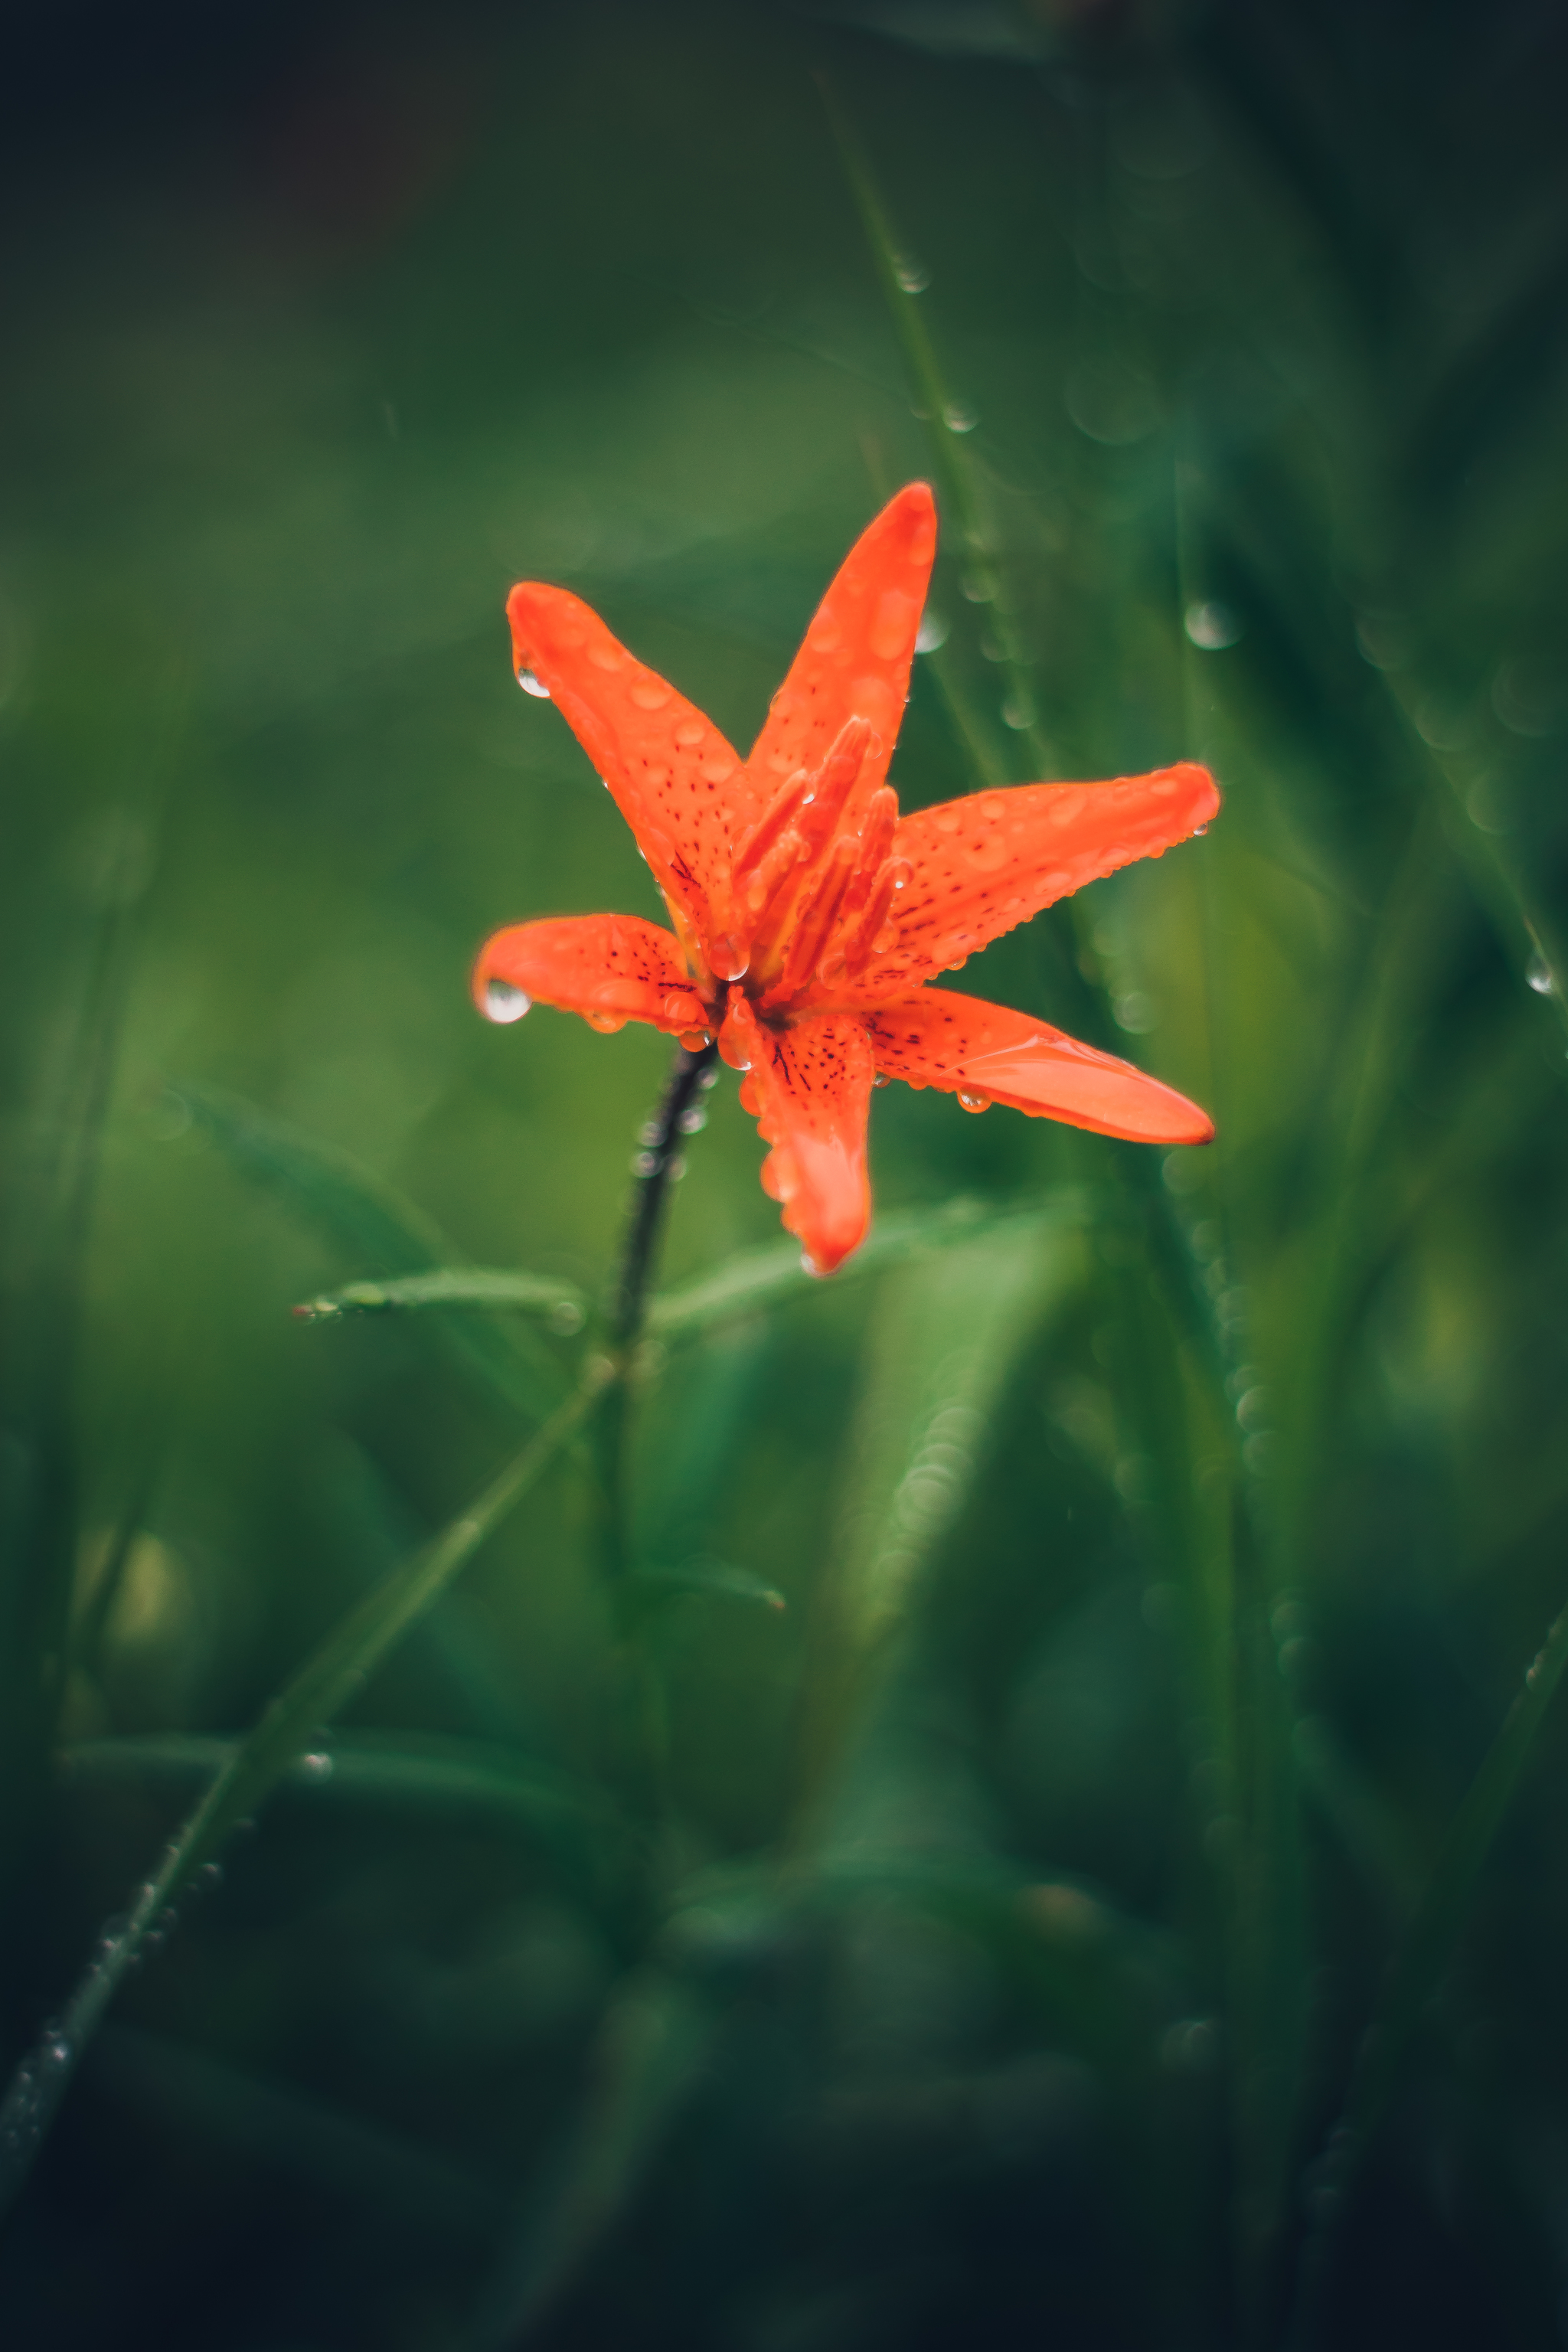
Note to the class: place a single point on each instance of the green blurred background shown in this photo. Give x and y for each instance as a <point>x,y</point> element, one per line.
<point>327,323</point>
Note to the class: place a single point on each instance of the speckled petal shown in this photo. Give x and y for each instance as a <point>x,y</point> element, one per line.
<point>984,863</point>
<point>967,1046</point>
<point>855,661</point>
<point>679,785</point>
<point>609,968</point>
<point>810,1085</point>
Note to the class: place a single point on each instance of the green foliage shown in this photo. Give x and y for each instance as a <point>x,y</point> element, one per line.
<point>990,1794</point>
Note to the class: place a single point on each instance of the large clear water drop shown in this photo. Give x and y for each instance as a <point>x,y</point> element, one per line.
<point>504,1003</point>
<point>728,959</point>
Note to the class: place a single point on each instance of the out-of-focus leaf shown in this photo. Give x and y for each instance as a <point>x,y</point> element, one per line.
<point>708,1576</point>
<point>559,1304</point>
<point>249,1772</point>
<point>766,1278</point>
<point>942,1345</point>
<point>651,2050</point>
<point>335,2154</point>
<point>1091,1971</point>
<point>1358,1813</point>
<point>373,1219</point>
<point>1430,1944</point>
<point>417,1770</point>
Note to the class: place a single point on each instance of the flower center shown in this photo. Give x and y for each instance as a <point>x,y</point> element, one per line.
<point>815,884</point>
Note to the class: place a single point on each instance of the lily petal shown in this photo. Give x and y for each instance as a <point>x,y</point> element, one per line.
<point>981,864</point>
<point>810,1088</point>
<point>612,968</point>
<point>679,785</point>
<point>961,1044</point>
<point>855,661</point>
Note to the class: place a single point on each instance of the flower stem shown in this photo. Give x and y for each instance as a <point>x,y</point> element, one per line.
<point>653,1173</point>
<point>625,1308</point>
<point>654,1170</point>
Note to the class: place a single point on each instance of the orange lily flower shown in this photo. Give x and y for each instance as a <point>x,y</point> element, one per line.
<point>808,915</point>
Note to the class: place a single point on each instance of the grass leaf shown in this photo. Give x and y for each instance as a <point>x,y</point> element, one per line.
<point>365,1214</point>
<point>561,1304</point>
<point>252,1770</point>
<point>774,1275</point>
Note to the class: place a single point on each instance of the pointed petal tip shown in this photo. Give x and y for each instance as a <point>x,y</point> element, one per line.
<point>828,1244</point>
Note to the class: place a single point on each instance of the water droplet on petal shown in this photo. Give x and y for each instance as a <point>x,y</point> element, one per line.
<point>901,872</point>
<point>728,958</point>
<point>931,632</point>
<point>504,1003</point>
<point>1212,626</point>
<point>882,1078</point>
<point>886,940</point>
<point>607,1023</point>
<point>1198,829</point>
<point>967,1101</point>
<point>531,685</point>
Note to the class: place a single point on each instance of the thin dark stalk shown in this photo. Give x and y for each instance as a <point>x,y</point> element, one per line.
<point>652,1172</point>
<point>654,1168</point>
<point>625,1308</point>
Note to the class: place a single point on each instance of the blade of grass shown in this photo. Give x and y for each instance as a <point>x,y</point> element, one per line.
<point>338,2157</point>
<point>371,1218</point>
<point>650,2048</point>
<point>955,471</point>
<point>328,1679</point>
<point>1518,919</point>
<point>1077,972</point>
<point>771,1276</point>
<point>425,1772</point>
<point>1423,1960</point>
<point>1256,1834</point>
<point>494,1289</point>
<point>38,1498</point>
<point>945,1339</point>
